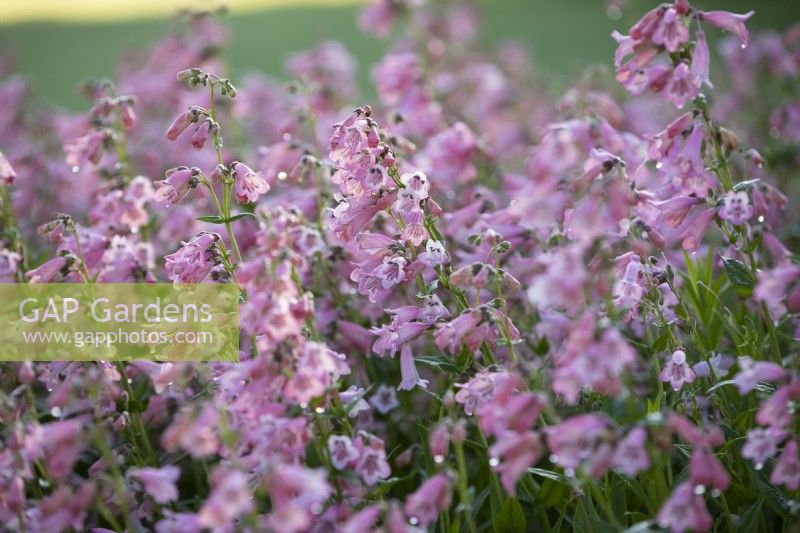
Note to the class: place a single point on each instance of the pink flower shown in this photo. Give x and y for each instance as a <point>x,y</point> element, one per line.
<point>677,371</point>
<point>701,61</point>
<point>786,471</point>
<point>372,465</point>
<point>431,498</point>
<point>342,451</point>
<point>64,441</point>
<point>681,86</point>
<point>384,400</point>
<point>182,123</point>
<point>7,173</point>
<point>762,444</point>
<point>751,373</point>
<point>179,182</point>
<point>729,22</point>
<point>684,511</point>
<point>706,470</point>
<point>408,371</point>
<point>194,260</point>
<point>230,498</point>
<point>514,453</point>
<point>249,185</point>
<point>670,31</point>
<point>582,441</point>
<point>777,411</point>
<point>158,482</point>
<point>434,254</point>
<point>630,455</point>
<point>46,272</point>
<point>736,208</point>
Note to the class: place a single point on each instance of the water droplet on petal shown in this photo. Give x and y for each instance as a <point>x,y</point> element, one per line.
<point>413,521</point>
<point>319,410</point>
<point>715,493</point>
<point>554,459</point>
<point>76,169</point>
<point>759,466</point>
<point>494,461</point>
<point>744,46</point>
<point>439,459</point>
<point>699,489</point>
<point>659,165</point>
<point>55,411</point>
<point>282,175</point>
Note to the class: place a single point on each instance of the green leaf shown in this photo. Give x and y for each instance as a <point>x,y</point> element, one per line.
<point>550,493</point>
<point>215,219</point>
<point>739,275</point>
<point>549,474</point>
<point>749,519</point>
<point>441,363</point>
<point>511,518</point>
<point>240,216</point>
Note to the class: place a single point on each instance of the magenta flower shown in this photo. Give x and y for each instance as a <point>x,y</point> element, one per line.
<point>342,451</point>
<point>751,373</point>
<point>194,259</point>
<point>736,208</point>
<point>630,455</point>
<point>179,181</point>
<point>582,441</point>
<point>786,471</point>
<point>249,185</point>
<point>372,466</point>
<point>778,410</point>
<point>230,498</point>
<point>762,444</point>
<point>182,123</point>
<point>670,32</point>
<point>729,22</point>
<point>158,482</point>
<point>677,371</point>
<point>384,400</point>
<point>63,444</point>
<point>514,453</point>
<point>431,498</point>
<point>684,511</point>
<point>706,470</point>
<point>51,268</point>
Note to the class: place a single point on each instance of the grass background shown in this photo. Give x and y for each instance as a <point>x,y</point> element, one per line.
<point>564,37</point>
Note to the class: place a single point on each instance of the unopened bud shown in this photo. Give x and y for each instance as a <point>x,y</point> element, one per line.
<point>730,141</point>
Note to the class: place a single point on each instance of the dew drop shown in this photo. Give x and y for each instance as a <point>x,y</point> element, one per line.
<point>744,46</point>
<point>319,410</point>
<point>494,461</point>
<point>613,13</point>
<point>758,466</point>
<point>554,459</point>
<point>316,508</point>
<point>76,169</point>
<point>699,489</point>
<point>715,493</point>
<point>569,472</point>
<point>413,520</point>
<point>761,219</point>
<point>282,176</point>
<point>659,165</point>
<point>439,459</point>
<point>130,381</point>
<point>55,411</point>
<point>287,136</point>
<point>303,405</point>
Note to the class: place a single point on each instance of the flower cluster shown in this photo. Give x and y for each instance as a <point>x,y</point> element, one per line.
<point>466,307</point>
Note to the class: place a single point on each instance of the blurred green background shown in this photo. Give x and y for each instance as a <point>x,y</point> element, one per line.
<point>564,37</point>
